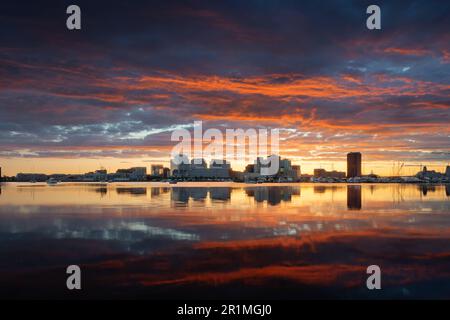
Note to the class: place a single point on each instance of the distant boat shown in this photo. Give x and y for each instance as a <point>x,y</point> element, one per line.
<point>52,181</point>
<point>172,182</point>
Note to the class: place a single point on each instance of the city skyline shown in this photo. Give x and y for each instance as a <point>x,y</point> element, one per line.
<point>185,168</point>
<point>397,168</point>
<point>111,94</point>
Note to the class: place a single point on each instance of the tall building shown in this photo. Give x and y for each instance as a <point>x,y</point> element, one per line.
<point>447,171</point>
<point>353,164</point>
<point>297,170</point>
<point>166,173</point>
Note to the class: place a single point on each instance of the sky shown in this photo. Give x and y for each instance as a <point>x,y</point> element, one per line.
<point>109,95</point>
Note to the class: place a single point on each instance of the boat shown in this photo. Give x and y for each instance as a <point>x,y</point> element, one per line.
<point>172,182</point>
<point>52,181</point>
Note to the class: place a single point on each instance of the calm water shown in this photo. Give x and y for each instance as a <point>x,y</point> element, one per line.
<point>225,240</point>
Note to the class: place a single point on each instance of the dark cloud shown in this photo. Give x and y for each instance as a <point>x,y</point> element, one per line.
<point>149,66</point>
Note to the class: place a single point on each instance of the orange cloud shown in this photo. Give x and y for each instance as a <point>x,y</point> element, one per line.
<point>407,51</point>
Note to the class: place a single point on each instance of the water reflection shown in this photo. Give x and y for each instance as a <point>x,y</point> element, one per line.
<point>273,195</point>
<point>220,193</point>
<point>183,194</point>
<point>132,191</point>
<point>354,197</point>
<point>101,190</point>
<point>273,239</point>
<point>320,189</point>
<point>426,188</point>
<point>159,191</point>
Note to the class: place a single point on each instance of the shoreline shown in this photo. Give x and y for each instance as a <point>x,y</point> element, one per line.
<point>210,183</point>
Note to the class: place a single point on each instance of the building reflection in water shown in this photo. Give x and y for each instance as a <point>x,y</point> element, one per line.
<point>102,191</point>
<point>198,194</point>
<point>183,194</point>
<point>155,192</point>
<point>447,190</point>
<point>319,189</point>
<point>220,193</point>
<point>273,195</point>
<point>132,191</point>
<point>425,189</point>
<point>324,189</point>
<point>354,197</point>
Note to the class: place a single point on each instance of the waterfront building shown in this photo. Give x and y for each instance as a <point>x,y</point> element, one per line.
<point>297,170</point>
<point>198,169</point>
<point>27,177</point>
<point>353,164</point>
<point>180,163</point>
<point>157,170</point>
<point>322,173</point>
<point>285,171</point>
<point>250,168</point>
<point>430,175</point>
<point>131,174</point>
<point>166,173</point>
<point>98,175</point>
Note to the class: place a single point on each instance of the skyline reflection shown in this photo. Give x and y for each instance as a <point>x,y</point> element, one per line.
<point>218,237</point>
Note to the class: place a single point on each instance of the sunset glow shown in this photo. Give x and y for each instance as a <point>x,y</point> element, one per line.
<point>110,95</point>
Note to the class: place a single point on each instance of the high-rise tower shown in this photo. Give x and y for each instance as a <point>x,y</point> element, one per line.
<point>353,164</point>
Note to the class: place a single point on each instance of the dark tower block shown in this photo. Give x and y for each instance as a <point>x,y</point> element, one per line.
<point>353,164</point>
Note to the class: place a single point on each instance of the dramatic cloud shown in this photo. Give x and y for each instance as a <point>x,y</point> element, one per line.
<point>137,71</point>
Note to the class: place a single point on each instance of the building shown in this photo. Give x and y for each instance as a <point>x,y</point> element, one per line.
<point>198,164</point>
<point>179,163</point>
<point>157,170</point>
<point>220,169</point>
<point>284,172</point>
<point>297,170</point>
<point>353,164</point>
<point>322,173</point>
<point>131,174</point>
<point>197,169</point>
<point>27,177</point>
<point>447,171</point>
<point>431,175</point>
<point>166,173</point>
<point>98,175</point>
<point>250,168</point>
<point>138,174</point>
